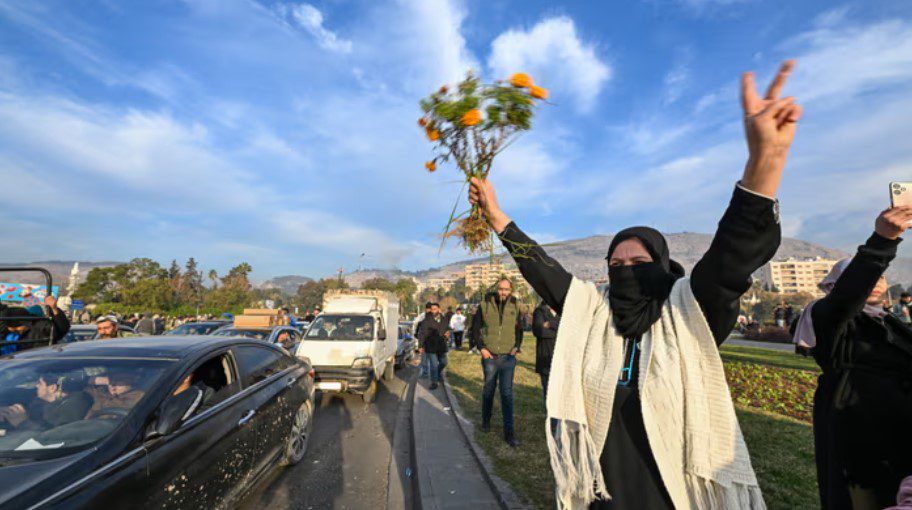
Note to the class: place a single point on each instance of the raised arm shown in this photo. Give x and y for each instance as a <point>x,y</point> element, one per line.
<point>549,279</point>
<point>749,233</point>
<point>854,287</point>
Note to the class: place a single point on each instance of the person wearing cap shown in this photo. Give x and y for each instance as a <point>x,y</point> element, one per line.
<point>52,329</point>
<point>107,327</point>
<point>903,309</point>
<point>639,414</point>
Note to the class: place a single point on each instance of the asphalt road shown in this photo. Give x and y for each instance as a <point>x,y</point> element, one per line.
<point>348,460</point>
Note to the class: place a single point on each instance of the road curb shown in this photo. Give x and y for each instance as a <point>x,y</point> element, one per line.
<point>402,465</point>
<point>508,499</point>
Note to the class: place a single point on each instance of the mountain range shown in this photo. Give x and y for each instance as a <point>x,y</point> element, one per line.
<point>584,257</point>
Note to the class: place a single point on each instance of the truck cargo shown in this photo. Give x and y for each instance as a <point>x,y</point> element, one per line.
<point>352,343</point>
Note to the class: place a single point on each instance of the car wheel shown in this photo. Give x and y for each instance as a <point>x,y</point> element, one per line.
<point>370,393</point>
<point>301,429</point>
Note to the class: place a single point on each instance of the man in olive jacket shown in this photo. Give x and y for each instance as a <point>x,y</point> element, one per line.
<point>498,335</point>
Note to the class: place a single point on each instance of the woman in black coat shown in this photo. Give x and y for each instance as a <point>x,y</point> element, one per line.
<point>544,326</point>
<point>863,403</point>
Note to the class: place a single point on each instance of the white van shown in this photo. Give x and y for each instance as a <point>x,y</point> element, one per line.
<point>352,343</point>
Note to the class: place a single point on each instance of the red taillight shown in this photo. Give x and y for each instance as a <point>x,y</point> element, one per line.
<point>312,373</point>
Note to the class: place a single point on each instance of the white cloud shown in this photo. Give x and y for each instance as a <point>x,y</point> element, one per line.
<point>415,45</point>
<point>310,19</point>
<point>838,63</point>
<point>552,52</point>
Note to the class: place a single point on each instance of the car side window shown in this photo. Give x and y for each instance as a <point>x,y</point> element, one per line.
<point>214,378</point>
<point>259,363</point>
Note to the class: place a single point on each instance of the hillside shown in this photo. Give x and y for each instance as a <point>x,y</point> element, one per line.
<point>585,257</point>
<point>287,284</point>
<point>59,269</point>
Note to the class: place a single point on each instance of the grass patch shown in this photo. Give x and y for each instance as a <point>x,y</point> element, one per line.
<point>782,453</point>
<point>771,357</point>
<point>781,448</point>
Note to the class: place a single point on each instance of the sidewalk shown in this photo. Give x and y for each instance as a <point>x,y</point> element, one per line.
<point>449,475</point>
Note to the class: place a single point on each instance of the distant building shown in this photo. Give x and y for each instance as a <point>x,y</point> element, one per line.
<point>792,276</point>
<point>441,282</point>
<point>486,275</point>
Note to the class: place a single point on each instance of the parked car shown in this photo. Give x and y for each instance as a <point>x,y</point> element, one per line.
<point>286,336</point>
<point>197,328</point>
<point>407,349</point>
<point>150,422</point>
<point>83,332</point>
<point>352,343</point>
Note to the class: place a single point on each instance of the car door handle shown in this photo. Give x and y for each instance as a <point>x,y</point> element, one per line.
<point>247,417</point>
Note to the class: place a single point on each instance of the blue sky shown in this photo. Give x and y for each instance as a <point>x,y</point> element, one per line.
<point>283,133</point>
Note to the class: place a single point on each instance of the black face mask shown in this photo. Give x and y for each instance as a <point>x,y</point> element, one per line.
<point>636,293</point>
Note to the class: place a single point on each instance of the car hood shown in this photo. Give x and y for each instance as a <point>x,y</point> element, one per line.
<point>18,477</point>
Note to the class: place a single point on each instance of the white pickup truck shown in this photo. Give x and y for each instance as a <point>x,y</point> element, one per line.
<point>352,343</point>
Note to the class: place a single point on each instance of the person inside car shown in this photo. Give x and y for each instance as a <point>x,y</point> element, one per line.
<point>366,331</point>
<point>51,406</point>
<point>20,330</point>
<point>107,327</point>
<point>114,394</point>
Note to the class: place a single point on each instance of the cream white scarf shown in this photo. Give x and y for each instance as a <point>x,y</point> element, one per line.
<point>687,409</point>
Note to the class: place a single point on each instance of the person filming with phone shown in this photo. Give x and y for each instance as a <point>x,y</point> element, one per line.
<point>863,402</point>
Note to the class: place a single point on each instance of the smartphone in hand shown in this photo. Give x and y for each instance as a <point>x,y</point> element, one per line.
<point>900,194</point>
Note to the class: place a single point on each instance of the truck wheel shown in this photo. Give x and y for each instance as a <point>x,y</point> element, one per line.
<point>370,393</point>
<point>389,373</point>
<point>301,428</point>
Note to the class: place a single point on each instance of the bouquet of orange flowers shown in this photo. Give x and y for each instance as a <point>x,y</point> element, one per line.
<point>470,125</point>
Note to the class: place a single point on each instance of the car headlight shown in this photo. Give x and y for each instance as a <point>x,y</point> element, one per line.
<point>363,362</point>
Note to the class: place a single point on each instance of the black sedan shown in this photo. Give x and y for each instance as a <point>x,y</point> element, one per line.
<point>149,422</point>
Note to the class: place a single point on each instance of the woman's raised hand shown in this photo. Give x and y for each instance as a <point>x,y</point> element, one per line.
<point>769,126</point>
<point>893,222</point>
<point>481,193</point>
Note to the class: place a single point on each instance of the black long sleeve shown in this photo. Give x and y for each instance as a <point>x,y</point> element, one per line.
<point>475,329</point>
<point>853,287</point>
<point>747,238</point>
<point>61,324</point>
<point>549,279</point>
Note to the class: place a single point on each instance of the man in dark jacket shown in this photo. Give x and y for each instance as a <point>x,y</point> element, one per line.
<point>544,326</point>
<point>36,332</point>
<point>433,333</point>
<point>498,335</point>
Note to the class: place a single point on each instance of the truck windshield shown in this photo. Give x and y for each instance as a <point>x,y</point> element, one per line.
<point>341,327</point>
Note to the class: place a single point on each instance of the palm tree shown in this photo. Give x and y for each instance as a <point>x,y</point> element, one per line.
<point>213,276</point>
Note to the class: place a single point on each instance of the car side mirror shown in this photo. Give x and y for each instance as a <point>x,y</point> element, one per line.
<point>174,410</point>
<point>382,334</point>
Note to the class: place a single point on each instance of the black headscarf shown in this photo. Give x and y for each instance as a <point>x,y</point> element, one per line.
<point>636,293</point>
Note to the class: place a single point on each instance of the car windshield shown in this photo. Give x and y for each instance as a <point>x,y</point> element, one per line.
<point>256,334</point>
<point>80,334</point>
<point>194,329</point>
<point>341,327</point>
<point>50,407</point>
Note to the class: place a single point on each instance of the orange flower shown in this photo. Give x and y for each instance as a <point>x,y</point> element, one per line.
<point>521,80</point>
<point>443,89</point>
<point>433,135</point>
<point>422,122</point>
<point>431,166</point>
<point>471,117</point>
<point>538,92</point>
